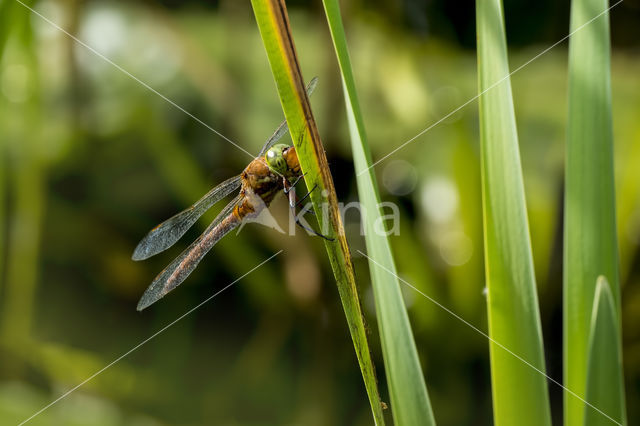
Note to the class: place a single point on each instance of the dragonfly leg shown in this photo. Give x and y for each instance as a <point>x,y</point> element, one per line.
<point>293,205</point>
<point>305,197</point>
<point>288,187</point>
<point>313,231</point>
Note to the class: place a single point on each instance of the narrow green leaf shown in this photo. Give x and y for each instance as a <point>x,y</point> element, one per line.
<point>409,399</point>
<point>605,382</point>
<point>519,391</point>
<point>273,22</point>
<point>590,248</point>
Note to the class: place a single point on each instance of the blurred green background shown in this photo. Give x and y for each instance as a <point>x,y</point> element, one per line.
<point>91,160</point>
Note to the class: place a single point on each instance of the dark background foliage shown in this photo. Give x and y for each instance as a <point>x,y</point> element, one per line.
<point>91,160</point>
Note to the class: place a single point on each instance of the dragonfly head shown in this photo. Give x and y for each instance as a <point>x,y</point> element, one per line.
<point>275,158</point>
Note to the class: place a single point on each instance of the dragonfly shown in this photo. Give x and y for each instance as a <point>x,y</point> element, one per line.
<point>275,169</point>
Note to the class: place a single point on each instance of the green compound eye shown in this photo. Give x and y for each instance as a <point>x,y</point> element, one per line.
<point>275,159</point>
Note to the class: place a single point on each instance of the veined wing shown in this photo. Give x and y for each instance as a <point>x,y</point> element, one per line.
<point>178,270</point>
<point>171,230</point>
<point>283,128</point>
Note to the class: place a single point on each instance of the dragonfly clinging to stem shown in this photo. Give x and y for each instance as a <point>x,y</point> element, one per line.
<point>276,168</point>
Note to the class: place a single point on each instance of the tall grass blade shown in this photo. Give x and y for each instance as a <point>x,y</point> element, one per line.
<point>520,393</point>
<point>409,399</point>
<point>590,242</point>
<point>605,382</point>
<point>273,22</point>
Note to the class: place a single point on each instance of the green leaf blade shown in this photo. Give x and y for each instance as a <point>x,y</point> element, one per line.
<point>514,320</point>
<point>273,23</point>
<point>410,403</point>
<point>605,382</point>
<point>590,243</point>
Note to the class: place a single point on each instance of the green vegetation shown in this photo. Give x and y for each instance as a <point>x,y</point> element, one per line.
<point>273,21</point>
<point>407,389</point>
<point>91,159</point>
<point>605,384</point>
<point>591,246</point>
<point>517,355</point>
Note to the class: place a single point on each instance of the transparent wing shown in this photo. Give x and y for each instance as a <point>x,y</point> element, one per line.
<point>171,230</point>
<point>178,270</point>
<point>277,135</point>
<point>283,128</point>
